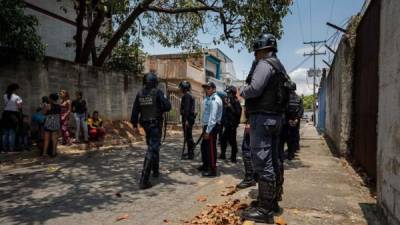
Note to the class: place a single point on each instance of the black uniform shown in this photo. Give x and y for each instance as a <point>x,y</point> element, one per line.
<point>230,119</point>
<point>188,116</point>
<point>291,129</point>
<point>150,104</point>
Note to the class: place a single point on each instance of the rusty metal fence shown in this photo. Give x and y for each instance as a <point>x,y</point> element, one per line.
<point>174,116</point>
<point>366,89</point>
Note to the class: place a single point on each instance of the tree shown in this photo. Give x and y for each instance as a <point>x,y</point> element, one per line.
<point>175,23</point>
<point>18,31</point>
<point>308,102</point>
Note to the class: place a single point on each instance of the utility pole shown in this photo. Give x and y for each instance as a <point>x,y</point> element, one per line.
<point>314,53</point>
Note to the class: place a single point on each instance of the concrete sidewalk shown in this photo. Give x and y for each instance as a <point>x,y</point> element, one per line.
<point>322,189</point>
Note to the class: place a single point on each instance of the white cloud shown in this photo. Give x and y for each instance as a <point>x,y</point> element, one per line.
<point>299,76</point>
<point>303,50</point>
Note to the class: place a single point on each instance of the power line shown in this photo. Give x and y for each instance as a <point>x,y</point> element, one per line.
<point>300,64</point>
<point>311,28</point>
<point>300,20</point>
<point>330,15</point>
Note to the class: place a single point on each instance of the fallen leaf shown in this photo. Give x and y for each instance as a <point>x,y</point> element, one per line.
<point>201,198</point>
<point>280,221</point>
<point>220,181</point>
<point>247,222</point>
<point>52,169</point>
<point>166,221</point>
<point>122,217</point>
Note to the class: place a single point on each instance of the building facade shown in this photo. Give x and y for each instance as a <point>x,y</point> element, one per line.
<point>57,27</point>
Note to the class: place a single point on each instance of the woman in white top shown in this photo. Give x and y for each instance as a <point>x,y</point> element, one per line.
<point>11,116</point>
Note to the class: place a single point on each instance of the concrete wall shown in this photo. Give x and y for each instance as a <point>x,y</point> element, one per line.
<point>110,93</point>
<point>389,113</point>
<point>339,99</point>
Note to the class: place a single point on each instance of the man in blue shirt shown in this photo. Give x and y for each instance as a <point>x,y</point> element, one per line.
<point>211,121</point>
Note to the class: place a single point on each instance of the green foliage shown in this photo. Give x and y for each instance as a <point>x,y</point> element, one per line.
<point>127,57</point>
<point>308,102</point>
<point>17,31</point>
<point>232,21</point>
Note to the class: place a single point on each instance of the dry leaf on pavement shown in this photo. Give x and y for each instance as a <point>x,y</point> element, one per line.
<point>122,217</point>
<point>280,221</point>
<point>201,198</point>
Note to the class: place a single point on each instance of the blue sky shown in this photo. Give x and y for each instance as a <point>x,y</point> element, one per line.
<point>291,46</point>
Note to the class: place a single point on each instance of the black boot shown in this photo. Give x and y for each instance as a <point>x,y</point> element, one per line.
<point>201,168</point>
<point>248,180</point>
<point>155,166</point>
<point>191,150</point>
<point>233,158</point>
<point>262,213</point>
<point>222,155</point>
<point>144,179</point>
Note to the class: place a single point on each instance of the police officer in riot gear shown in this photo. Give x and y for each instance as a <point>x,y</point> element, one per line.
<point>231,120</point>
<point>188,117</point>
<point>266,97</point>
<point>291,127</point>
<point>148,109</point>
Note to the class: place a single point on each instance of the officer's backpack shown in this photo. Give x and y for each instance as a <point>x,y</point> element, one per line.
<point>283,90</point>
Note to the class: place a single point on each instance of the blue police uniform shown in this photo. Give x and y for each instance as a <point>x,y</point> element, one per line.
<point>211,120</point>
<point>148,109</point>
<point>265,125</point>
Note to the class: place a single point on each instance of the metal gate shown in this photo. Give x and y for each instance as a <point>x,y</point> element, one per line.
<point>366,90</point>
<point>174,116</point>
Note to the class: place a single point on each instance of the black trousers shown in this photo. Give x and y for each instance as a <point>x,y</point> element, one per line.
<point>188,132</point>
<point>229,137</point>
<point>209,150</point>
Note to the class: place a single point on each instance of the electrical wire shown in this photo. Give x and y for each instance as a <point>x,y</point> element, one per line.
<point>300,20</point>
<point>330,15</point>
<point>311,28</point>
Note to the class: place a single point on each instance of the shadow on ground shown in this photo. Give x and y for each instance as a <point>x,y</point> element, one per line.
<point>68,186</point>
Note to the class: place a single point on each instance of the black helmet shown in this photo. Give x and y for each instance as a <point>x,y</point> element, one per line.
<point>150,80</point>
<point>265,41</point>
<point>292,86</point>
<point>185,85</point>
<point>231,90</point>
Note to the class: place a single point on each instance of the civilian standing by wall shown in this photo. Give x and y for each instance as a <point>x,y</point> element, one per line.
<point>52,125</point>
<point>80,114</point>
<point>65,112</point>
<point>11,117</point>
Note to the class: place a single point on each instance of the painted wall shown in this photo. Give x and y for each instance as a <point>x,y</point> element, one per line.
<point>388,157</point>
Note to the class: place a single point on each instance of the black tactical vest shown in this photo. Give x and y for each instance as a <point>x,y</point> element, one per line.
<point>275,96</point>
<point>149,109</point>
<point>294,106</point>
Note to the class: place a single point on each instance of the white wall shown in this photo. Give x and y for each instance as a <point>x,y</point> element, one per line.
<point>389,112</point>
<point>57,34</point>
